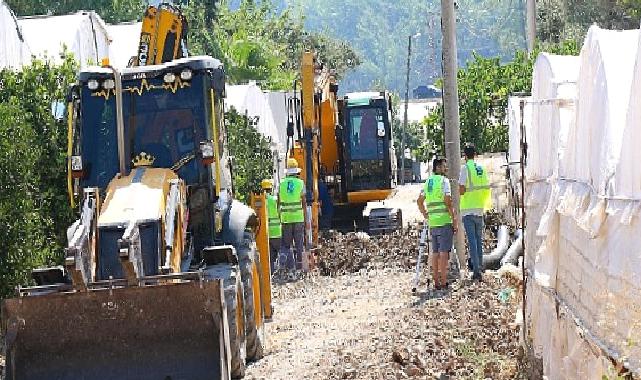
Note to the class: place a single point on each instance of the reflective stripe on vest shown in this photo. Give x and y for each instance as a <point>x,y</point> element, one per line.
<point>291,207</point>
<point>478,196</point>
<point>275,230</point>
<point>437,213</point>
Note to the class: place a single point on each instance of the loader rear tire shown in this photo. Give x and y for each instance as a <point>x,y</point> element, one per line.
<point>254,335</point>
<point>235,310</point>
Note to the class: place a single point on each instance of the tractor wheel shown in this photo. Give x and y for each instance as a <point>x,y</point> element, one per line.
<point>247,256</point>
<point>236,321</point>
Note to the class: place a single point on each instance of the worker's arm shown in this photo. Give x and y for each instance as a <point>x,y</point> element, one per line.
<point>421,205</point>
<point>448,202</point>
<point>462,180</point>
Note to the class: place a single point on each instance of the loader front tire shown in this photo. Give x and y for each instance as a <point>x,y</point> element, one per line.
<point>247,255</point>
<point>236,320</point>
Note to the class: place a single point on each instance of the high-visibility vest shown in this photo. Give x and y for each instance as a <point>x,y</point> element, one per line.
<point>437,212</point>
<point>275,230</point>
<point>291,207</point>
<point>478,196</point>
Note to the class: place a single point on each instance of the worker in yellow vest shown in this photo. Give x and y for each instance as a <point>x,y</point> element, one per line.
<point>273,216</point>
<point>476,198</point>
<point>293,208</point>
<point>435,203</point>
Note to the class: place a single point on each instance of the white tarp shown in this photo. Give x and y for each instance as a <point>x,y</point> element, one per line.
<point>249,99</point>
<point>582,208</point>
<point>124,42</point>
<point>277,101</point>
<point>14,52</point>
<point>553,94</point>
<point>83,33</point>
<point>605,77</point>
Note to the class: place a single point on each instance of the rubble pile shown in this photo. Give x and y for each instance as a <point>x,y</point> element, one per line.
<point>339,253</point>
<point>469,333</point>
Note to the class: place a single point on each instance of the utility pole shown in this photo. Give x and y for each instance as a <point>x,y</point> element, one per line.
<point>407,95</point>
<point>451,113</point>
<point>530,12</point>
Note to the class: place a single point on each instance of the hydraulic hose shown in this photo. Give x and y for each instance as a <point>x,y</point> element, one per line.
<point>515,251</point>
<point>493,260</point>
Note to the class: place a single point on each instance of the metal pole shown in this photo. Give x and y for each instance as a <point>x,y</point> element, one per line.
<point>451,113</point>
<point>530,12</point>
<point>120,123</point>
<point>407,95</point>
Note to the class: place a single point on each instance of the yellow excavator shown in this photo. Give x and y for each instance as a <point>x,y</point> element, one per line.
<point>346,146</point>
<point>162,278</point>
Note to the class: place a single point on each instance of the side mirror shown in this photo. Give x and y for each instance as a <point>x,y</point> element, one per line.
<point>58,109</point>
<point>77,170</point>
<point>207,152</point>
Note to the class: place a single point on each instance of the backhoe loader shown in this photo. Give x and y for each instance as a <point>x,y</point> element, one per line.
<point>161,277</point>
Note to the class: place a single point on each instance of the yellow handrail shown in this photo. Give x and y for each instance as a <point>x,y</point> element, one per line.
<point>215,135</point>
<point>72,201</point>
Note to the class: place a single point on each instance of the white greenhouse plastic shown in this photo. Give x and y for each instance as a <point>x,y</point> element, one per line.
<point>582,203</point>
<point>83,33</point>
<point>14,52</point>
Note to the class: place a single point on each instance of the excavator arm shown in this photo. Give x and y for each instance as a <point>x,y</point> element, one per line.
<point>163,36</point>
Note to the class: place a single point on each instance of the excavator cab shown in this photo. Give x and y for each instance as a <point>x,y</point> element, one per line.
<point>160,276</point>
<point>367,162</point>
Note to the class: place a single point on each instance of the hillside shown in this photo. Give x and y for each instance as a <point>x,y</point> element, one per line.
<point>379,31</point>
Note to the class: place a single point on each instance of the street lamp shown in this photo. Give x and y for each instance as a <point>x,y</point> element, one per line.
<point>407,95</point>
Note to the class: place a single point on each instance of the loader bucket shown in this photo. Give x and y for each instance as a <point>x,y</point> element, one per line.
<point>172,331</point>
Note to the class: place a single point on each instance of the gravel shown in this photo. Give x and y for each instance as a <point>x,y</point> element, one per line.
<point>355,317</point>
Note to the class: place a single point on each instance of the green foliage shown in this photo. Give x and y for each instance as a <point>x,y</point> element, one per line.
<point>378,31</point>
<point>252,155</point>
<point>110,11</point>
<point>559,20</point>
<point>34,209</point>
<point>255,42</point>
<point>484,86</point>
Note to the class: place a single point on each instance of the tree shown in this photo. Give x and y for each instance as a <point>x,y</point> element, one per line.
<point>484,86</point>
<point>34,208</point>
<point>252,156</point>
<point>110,11</point>
<point>559,20</point>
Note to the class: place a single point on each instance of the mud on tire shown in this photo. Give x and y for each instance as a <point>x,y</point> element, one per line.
<point>235,311</point>
<point>254,335</point>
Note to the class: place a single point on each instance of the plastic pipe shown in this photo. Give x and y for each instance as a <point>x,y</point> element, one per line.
<point>493,260</point>
<point>515,250</point>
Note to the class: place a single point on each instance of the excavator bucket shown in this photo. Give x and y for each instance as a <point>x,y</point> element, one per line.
<point>169,331</point>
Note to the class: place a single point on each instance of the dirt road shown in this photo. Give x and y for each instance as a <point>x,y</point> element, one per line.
<point>369,325</point>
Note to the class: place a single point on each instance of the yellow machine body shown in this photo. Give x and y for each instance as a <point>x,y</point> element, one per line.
<point>162,36</point>
<point>264,304</point>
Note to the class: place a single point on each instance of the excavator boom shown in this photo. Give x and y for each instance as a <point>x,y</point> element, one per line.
<point>163,36</point>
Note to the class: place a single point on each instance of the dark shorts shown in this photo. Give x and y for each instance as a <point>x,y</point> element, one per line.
<point>442,238</point>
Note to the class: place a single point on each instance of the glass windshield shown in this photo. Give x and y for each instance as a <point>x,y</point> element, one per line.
<point>99,139</point>
<point>165,121</point>
<point>165,124</point>
<point>364,141</point>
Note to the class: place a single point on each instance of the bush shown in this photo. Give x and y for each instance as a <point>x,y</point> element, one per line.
<point>253,160</point>
<point>34,208</point>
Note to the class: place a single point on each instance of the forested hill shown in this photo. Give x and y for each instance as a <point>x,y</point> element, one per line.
<point>378,30</point>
